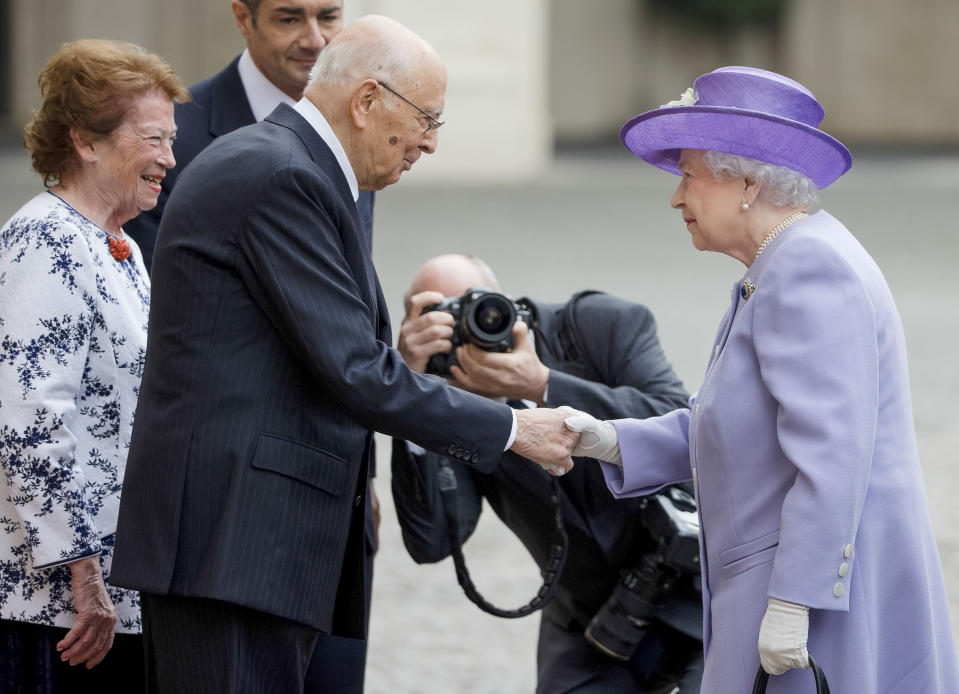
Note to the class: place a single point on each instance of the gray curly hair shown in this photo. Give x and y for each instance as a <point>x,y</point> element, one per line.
<point>781,186</point>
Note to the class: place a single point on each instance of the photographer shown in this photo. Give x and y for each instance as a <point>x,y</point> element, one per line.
<point>601,355</point>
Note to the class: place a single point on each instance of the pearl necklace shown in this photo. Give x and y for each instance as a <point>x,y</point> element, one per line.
<point>791,219</point>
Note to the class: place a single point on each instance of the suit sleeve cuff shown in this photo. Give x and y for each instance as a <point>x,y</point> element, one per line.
<point>69,560</point>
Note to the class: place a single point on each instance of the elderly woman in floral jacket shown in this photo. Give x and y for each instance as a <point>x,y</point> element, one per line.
<point>74,299</point>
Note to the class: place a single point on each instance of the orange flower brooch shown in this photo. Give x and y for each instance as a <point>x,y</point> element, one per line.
<point>119,248</point>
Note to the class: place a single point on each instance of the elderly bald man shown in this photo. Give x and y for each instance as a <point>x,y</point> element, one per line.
<point>269,367</point>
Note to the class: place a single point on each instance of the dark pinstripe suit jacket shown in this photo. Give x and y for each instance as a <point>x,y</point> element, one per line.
<point>268,367</point>
<point>219,107</point>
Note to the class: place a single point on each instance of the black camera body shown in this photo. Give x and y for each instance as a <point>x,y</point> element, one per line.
<point>670,517</point>
<point>483,318</point>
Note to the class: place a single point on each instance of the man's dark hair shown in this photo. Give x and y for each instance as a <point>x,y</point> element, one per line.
<point>252,6</point>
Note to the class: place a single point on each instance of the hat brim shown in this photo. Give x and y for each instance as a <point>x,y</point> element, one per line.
<point>657,137</point>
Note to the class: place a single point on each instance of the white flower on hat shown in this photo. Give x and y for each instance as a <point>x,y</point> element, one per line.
<point>687,98</point>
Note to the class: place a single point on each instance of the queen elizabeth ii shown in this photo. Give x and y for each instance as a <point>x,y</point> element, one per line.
<point>815,531</point>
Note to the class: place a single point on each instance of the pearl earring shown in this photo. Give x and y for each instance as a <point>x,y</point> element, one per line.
<point>745,206</point>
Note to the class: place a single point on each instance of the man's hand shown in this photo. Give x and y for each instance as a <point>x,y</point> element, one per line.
<point>542,436</point>
<point>516,375</point>
<point>424,334</point>
<point>91,637</point>
<point>782,637</point>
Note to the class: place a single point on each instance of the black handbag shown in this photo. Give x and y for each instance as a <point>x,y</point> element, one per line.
<point>762,678</point>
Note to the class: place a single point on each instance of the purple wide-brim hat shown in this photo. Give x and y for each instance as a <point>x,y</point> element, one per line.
<point>746,111</point>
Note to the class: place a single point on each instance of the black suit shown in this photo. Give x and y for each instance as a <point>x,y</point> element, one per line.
<point>612,366</point>
<point>219,106</point>
<point>268,368</point>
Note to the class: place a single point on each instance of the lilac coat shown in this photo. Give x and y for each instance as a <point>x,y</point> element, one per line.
<point>804,459</point>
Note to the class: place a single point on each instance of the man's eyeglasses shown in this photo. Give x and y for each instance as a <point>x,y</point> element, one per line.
<point>434,124</point>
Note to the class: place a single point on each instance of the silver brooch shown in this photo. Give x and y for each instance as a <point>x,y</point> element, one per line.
<point>746,289</point>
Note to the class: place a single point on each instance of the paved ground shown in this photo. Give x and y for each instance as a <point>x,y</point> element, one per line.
<point>602,221</point>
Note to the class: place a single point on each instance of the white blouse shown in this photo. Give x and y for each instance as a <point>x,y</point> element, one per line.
<point>73,327</point>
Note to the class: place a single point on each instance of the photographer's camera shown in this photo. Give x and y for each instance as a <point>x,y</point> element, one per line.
<point>622,622</point>
<point>482,318</point>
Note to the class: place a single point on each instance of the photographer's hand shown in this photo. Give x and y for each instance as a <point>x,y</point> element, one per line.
<point>424,334</point>
<point>542,436</point>
<point>516,375</point>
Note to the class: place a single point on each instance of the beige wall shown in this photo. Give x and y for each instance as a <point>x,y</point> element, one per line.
<point>522,72</point>
<point>497,113</point>
<point>605,67</point>
<point>197,36</point>
<point>593,59</point>
<point>885,68</point>
<point>497,116</point>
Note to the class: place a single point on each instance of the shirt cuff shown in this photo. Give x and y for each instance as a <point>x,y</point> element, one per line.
<point>512,431</point>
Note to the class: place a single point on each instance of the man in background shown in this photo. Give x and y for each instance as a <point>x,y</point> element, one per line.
<point>595,353</point>
<point>283,40</point>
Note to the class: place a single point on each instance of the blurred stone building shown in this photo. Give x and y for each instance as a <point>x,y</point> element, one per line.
<point>526,76</point>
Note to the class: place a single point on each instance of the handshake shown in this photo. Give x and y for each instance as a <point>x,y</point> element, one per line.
<point>551,437</point>
<point>482,342</point>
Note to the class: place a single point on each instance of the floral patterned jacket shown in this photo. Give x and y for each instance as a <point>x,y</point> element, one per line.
<point>73,325</point>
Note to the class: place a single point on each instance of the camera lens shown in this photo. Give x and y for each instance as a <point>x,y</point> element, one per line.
<point>490,320</point>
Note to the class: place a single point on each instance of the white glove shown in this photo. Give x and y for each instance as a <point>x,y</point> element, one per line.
<point>782,637</point>
<point>597,438</point>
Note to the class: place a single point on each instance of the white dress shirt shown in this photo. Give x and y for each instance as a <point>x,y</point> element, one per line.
<point>315,118</point>
<point>263,95</point>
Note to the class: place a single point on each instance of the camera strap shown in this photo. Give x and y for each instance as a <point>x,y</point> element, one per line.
<point>558,550</point>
